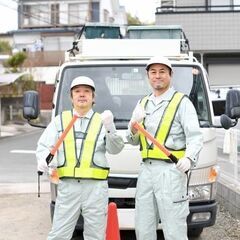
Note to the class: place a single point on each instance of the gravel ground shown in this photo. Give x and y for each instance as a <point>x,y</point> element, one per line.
<point>25,216</point>
<point>225,228</point>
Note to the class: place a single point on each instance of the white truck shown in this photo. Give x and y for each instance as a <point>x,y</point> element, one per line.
<point>118,69</point>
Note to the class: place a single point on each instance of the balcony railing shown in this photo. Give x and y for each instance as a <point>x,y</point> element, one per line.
<point>192,9</point>
<point>45,58</point>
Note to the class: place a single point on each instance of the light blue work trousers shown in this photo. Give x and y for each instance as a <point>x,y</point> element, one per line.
<point>86,197</point>
<point>161,194</point>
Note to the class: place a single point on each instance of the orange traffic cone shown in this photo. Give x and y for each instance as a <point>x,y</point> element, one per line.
<point>112,231</point>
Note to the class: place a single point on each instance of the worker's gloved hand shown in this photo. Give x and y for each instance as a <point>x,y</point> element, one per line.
<point>107,120</point>
<point>138,114</point>
<point>42,166</point>
<point>183,164</point>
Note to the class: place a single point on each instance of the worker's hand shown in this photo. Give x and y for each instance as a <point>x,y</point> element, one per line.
<point>107,120</point>
<point>138,114</point>
<point>183,164</point>
<point>42,166</point>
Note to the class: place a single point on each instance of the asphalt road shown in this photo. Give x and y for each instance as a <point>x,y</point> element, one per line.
<point>18,162</point>
<point>25,216</point>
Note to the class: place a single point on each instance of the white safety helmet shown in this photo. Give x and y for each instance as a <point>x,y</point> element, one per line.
<point>160,60</point>
<point>82,80</point>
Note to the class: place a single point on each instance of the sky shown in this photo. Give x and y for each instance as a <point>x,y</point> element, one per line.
<point>143,9</point>
<point>8,15</point>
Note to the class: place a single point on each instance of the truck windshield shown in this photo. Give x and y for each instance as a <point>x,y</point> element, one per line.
<point>118,88</point>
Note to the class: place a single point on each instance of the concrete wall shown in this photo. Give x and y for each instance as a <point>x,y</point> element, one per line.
<point>229,198</point>
<point>207,31</point>
<point>46,92</point>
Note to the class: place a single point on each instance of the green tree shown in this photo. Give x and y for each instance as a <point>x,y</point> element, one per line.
<point>23,84</point>
<point>133,20</point>
<point>15,61</point>
<point>5,47</point>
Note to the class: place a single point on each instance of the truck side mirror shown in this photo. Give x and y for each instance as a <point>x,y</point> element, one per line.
<point>232,109</point>
<point>30,105</point>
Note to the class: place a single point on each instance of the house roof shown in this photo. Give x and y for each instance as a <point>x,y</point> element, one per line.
<point>47,30</point>
<point>8,78</point>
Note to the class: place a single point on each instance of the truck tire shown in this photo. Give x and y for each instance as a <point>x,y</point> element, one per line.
<point>195,232</point>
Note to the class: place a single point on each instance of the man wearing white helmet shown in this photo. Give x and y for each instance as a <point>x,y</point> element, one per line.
<point>161,193</point>
<point>81,163</point>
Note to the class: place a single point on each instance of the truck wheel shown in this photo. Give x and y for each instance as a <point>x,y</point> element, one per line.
<point>195,232</point>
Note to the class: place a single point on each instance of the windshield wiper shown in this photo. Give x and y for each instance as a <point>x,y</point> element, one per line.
<point>121,120</point>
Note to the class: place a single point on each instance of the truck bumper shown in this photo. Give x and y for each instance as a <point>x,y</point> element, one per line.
<point>202,214</point>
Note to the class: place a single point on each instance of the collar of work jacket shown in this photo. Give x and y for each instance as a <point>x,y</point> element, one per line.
<point>87,115</point>
<point>166,96</point>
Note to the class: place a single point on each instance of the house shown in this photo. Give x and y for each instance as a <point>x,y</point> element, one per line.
<point>46,29</point>
<point>68,13</point>
<point>49,27</point>
<point>212,28</point>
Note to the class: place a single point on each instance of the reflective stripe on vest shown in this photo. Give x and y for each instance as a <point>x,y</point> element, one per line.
<point>86,168</point>
<point>149,151</point>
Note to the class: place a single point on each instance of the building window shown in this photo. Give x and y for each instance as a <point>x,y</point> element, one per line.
<point>105,15</point>
<point>54,14</point>
<point>26,15</point>
<point>167,5</point>
<point>39,15</point>
<point>95,12</point>
<point>78,13</point>
<point>236,2</point>
<point>221,5</point>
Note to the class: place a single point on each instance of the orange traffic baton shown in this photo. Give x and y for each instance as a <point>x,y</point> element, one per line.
<point>161,147</point>
<point>155,142</point>
<point>60,139</point>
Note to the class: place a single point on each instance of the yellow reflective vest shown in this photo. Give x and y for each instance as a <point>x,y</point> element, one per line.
<point>84,166</point>
<point>151,151</point>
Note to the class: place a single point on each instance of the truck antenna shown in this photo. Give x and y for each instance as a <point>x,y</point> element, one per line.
<point>75,48</point>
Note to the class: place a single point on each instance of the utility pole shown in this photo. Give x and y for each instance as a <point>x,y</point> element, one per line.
<point>89,14</point>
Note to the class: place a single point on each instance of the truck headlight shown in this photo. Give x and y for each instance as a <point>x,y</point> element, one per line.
<point>202,184</point>
<point>202,192</point>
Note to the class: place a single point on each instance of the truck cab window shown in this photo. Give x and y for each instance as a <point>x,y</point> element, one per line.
<point>119,87</point>
<point>189,80</point>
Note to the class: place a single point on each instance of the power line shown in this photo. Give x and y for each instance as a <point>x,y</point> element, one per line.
<point>20,12</point>
<point>39,17</point>
<point>7,6</point>
<point>36,16</point>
